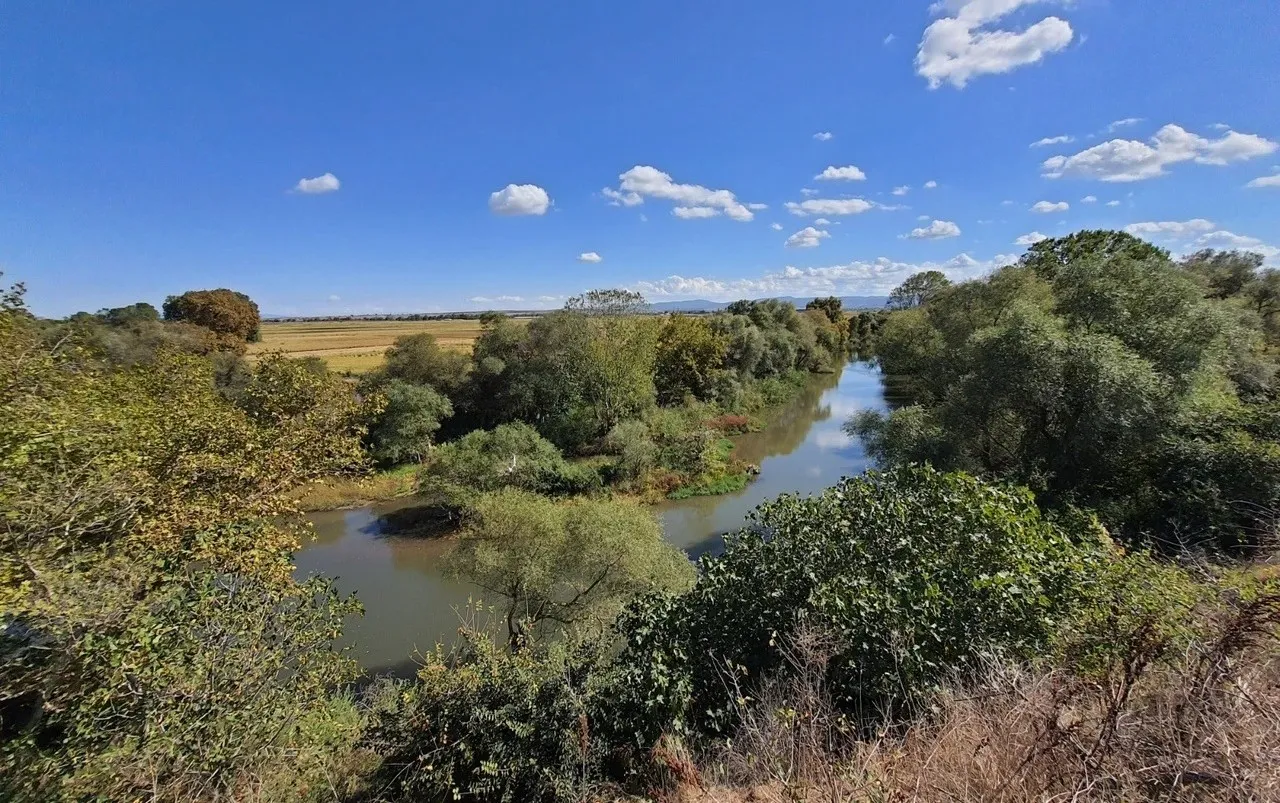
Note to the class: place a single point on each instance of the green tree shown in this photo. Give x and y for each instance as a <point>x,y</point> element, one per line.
<point>405,429</point>
<point>420,360</point>
<point>1047,256</point>
<point>126,316</point>
<point>608,302</point>
<point>572,565</point>
<point>918,289</point>
<point>830,306</point>
<point>689,352</point>
<point>1225,273</point>
<point>232,316</point>
<point>153,642</point>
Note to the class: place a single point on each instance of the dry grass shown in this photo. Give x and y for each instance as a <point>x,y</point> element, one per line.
<point>358,346</point>
<point>339,493</point>
<point>1199,725</point>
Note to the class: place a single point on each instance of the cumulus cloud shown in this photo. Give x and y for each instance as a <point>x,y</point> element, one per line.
<point>808,192</point>
<point>1113,203</point>
<point>888,40</point>
<point>1030,239</point>
<point>823,136</point>
<point>822,221</point>
<point>1061,140</point>
<point>1047,207</point>
<point>931,185</point>
<point>694,212</point>
<point>937,230</point>
<point>848,173</point>
<point>590,256</point>
<point>520,199</point>
<point>1228,241</point>
<point>692,201</point>
<point>829,206</point>
<point>963,45</point>
<point>1170,228</point>
<point>903,190</point>
<point>318,185</point>
<point>1124,160</point>
<point>1265,181</point>
<point>878,276</point>
<point>1089,199</point>
<point>808,237</point>
<point>776,226</point>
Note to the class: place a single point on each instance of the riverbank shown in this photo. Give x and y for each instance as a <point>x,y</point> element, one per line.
<point>347,493</point>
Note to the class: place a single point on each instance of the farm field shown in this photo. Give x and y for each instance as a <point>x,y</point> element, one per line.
<point>357,346</point>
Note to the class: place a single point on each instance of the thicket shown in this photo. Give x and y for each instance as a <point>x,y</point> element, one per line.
<point>1102,374</point>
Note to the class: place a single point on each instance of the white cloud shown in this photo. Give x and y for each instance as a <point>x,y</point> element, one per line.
<point>757,207</point>
<point>1047,207</point>
<point>829,206</point>
<point>318,185</point>
<point>590,256</point>
<point>1006,203</point>
<point>1170,228</point>
<point>1030,239</point>
<point>823,136</point>
<point>822,221</point>
<point>1228,241</point>
<point>888,40</point>
<point>848,173</point>
<point>692,200</point>
<point>694,212</point>
<point>644,218</point>
<point>1265,181</point>
<point>875,277</point>
<point>1125,123</point>
<point>808,237</point>
<point>519,199</point>
<point>621,198</point>
<point>335,297</point>
<point>776,226</point>
<point>1220,127</point>
<point>922,217</point>
<point>1123,160</point>
<point>1062,140</point>
<point>937,230</point>
<point>808,192</point>
<point>489,300</point>
<point>931,185</point>
<point>903,190</point>
<point>1113,203</point>
<point>962,46</point>
<point>1089,199</point>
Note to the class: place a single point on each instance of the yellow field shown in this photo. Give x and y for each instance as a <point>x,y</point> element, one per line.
<point>357,346</point>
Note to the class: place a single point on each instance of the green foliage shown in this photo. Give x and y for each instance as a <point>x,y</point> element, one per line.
<point>420,360</point>
<point>635,449</point>
<point>147,605</point>
<point>1099,374</point>
<point>914,572</point>
<point>608,302</point>
<point>689,353</point>
<point>126,316</point>
<point>405,429</point>
<point>918,289</point>
<point>482,723</point>
<point>232,317</point>
<point>509,456</point>
<point>571,565</point>
<point>831,306</point>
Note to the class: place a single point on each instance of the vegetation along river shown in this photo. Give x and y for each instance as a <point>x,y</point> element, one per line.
<point>409,604</point>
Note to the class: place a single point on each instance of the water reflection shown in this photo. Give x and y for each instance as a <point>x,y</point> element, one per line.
<point>409,604</point>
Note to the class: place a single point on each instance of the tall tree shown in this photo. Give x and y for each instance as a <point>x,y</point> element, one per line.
<point>918,289</point>
<point>831,306</point>
<point>232,316</point>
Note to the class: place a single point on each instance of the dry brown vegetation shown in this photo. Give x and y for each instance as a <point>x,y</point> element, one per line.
<point>358,346</point>
<point>1200,724</point>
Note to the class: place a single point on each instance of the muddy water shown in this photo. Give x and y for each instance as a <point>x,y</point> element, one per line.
<point>409,604</point>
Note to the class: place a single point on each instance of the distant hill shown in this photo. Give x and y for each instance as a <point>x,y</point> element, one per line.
<point>702,305</point>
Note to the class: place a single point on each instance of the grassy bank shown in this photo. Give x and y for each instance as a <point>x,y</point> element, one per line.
<point>338,493</point>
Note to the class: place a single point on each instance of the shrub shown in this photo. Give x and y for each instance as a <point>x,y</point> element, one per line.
<point>915,572</point>
<point>403,432</point>
<point>636,451</point>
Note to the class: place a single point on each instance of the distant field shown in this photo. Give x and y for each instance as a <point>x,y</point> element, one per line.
<point>357,346</point>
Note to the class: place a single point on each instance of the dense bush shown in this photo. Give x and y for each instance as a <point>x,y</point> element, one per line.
<point>914,572</point>
<point>509,456</point>
<point>232,317</point>
<point>1100,374</point>
<point>405,430</point>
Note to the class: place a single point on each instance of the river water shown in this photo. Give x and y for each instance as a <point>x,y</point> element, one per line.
<point>409,605</point>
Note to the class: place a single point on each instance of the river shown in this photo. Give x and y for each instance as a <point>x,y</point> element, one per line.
<point>409,605</point>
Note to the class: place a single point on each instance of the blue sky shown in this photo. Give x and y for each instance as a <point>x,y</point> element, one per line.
<point>457,156</point>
